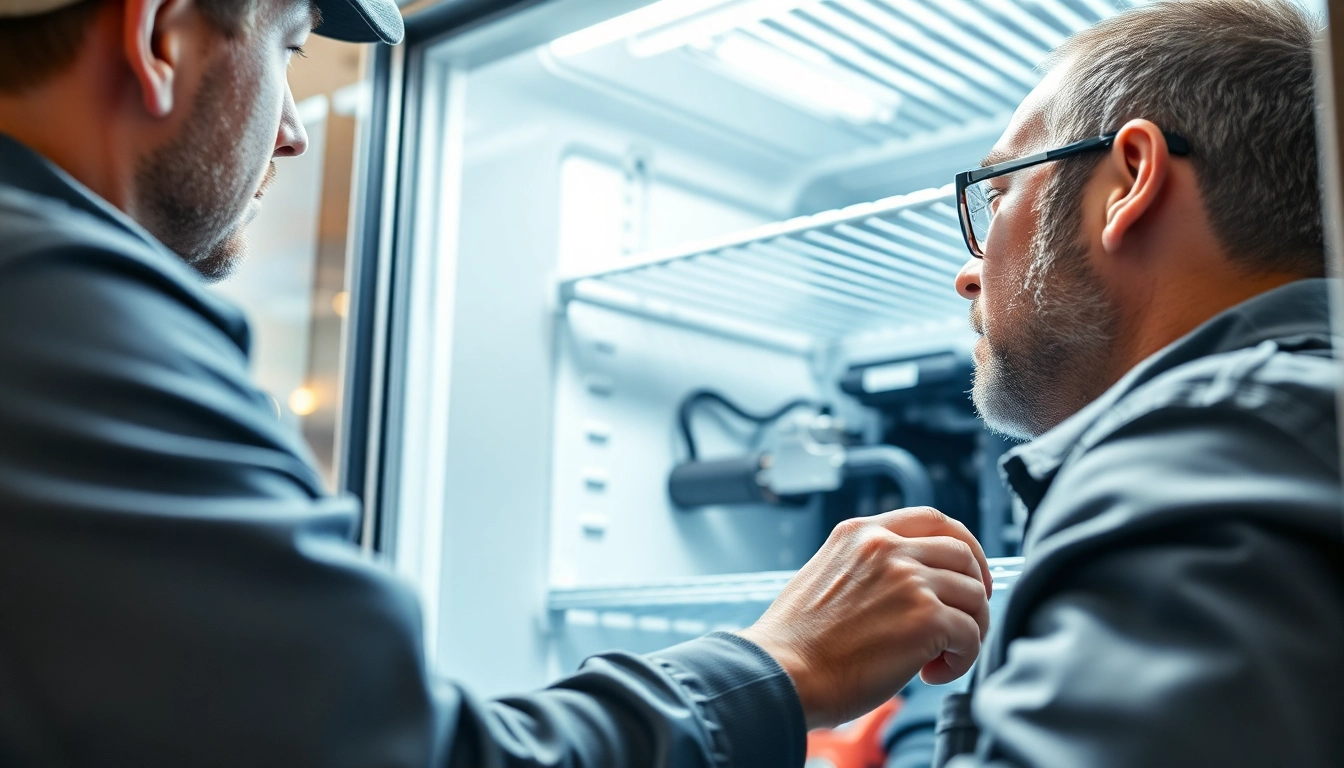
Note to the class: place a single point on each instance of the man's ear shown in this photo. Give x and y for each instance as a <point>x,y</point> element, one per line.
<point>1139,160</point>
<point>154,40</point>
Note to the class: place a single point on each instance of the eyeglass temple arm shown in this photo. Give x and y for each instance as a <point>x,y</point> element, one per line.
<point>1176,145</point>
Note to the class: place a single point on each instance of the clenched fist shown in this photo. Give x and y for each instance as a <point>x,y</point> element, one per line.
<point>885,598</point>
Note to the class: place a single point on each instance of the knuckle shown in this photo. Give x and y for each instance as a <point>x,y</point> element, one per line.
<point>872,545</point>
<point>849,529</point>
<point>962,549</point>
<point>904,571</point>
<point>926,608</point>
<point>928,514</point>
<point>912,575</point>
<point>928,595</point>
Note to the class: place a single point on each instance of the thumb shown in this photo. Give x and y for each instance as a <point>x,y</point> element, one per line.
<point>960,653</point>
<point>945,669</point>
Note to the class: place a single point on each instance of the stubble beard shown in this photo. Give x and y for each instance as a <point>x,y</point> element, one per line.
<point>1053,354</point>
<point>194,191</point>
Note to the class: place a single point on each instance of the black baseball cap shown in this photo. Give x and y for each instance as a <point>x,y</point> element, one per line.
<point>359,21</point>
<point>355,21</point>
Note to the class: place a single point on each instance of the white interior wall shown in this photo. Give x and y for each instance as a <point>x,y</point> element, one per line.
<point>561,427</point>
<point>619,382</point>
<point>518,394</point>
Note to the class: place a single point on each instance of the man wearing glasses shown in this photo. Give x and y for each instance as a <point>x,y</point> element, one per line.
<point>1147,284</point>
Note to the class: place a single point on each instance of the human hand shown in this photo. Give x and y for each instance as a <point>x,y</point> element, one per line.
<point>886,597</point>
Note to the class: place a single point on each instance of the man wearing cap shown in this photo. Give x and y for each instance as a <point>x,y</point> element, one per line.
<point>176,589</point>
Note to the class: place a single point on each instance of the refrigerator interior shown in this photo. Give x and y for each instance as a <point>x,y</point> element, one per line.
<point>614,204</point>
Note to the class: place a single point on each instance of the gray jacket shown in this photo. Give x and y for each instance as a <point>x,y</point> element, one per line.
<point>1183,597</point>
<point>176,589</point>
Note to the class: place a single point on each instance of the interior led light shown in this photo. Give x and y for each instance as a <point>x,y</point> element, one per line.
<point>706,26</point>
<point>649,17</point>
<point>818,88</point>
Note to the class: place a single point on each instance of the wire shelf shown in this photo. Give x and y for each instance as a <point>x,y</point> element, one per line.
<point>946,62</point>
<point>884,69</point>
<point>695,605</point>
<point>804,283</point>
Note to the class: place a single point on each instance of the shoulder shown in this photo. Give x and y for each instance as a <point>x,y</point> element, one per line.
<point>1289,390</point>
<point>1248,435</point>
<point>115,352</point>
<point>47,245</point>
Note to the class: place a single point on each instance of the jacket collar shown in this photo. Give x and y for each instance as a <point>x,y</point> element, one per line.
<point>26,170</point>
<point>1296,314</point>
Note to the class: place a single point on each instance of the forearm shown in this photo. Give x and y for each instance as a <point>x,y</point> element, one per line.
<point>716,702</point>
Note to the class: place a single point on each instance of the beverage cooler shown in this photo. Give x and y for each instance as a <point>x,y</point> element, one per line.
<point>648,297</point>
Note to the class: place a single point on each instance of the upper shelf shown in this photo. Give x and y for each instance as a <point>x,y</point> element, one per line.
<point>829,88</point>
<point>805,283</point>
<point>936,62</point>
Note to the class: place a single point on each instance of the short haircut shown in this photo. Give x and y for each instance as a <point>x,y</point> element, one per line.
<point>1234,77</point>
<point>34,49</point>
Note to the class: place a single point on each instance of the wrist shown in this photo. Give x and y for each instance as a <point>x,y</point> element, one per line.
<point>799,671</point>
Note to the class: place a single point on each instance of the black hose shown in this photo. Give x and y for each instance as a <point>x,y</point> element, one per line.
<point>908,472</point>
<point>710,396</point>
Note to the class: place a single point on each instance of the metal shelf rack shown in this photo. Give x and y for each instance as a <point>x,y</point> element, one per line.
<point>946,62</point>
<point>695,605</point>
<point>806,283</point>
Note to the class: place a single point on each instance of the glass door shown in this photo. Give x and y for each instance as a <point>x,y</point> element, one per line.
<point>585,209</point>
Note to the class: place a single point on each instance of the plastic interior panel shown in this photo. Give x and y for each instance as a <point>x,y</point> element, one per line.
<point>619,380</point>
<point>511,452</point>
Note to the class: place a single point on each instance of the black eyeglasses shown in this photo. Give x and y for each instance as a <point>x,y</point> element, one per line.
<point>975,198</point>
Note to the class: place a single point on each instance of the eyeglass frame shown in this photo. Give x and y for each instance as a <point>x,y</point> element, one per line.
<point>1176,145</point>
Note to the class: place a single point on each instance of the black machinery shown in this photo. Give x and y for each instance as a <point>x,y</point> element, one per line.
<point>933,451</point>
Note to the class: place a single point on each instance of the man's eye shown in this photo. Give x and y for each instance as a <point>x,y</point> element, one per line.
<point>992,196</point>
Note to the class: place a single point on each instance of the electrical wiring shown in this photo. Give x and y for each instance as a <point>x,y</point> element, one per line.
<point>699,396</point>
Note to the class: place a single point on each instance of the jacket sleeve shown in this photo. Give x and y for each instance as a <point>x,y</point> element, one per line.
<point>176,589</point>
<point>1184,607</point>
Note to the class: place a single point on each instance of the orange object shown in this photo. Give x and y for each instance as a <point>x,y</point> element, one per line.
<point>856,744</point>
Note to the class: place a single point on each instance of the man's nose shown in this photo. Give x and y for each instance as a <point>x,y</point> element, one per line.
<point>292,140</point>
<point>968,279</point>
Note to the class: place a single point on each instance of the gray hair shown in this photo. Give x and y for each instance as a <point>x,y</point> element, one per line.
<point>1234,77</point>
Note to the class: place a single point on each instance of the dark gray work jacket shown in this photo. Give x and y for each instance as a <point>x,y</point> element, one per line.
<point>1183,597</point>
<point>176,589</point>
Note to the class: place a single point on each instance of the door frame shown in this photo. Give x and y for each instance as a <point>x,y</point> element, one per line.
<point>375,346</point>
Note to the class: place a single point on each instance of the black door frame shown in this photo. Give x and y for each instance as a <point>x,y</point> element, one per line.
<point>379,289</point>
